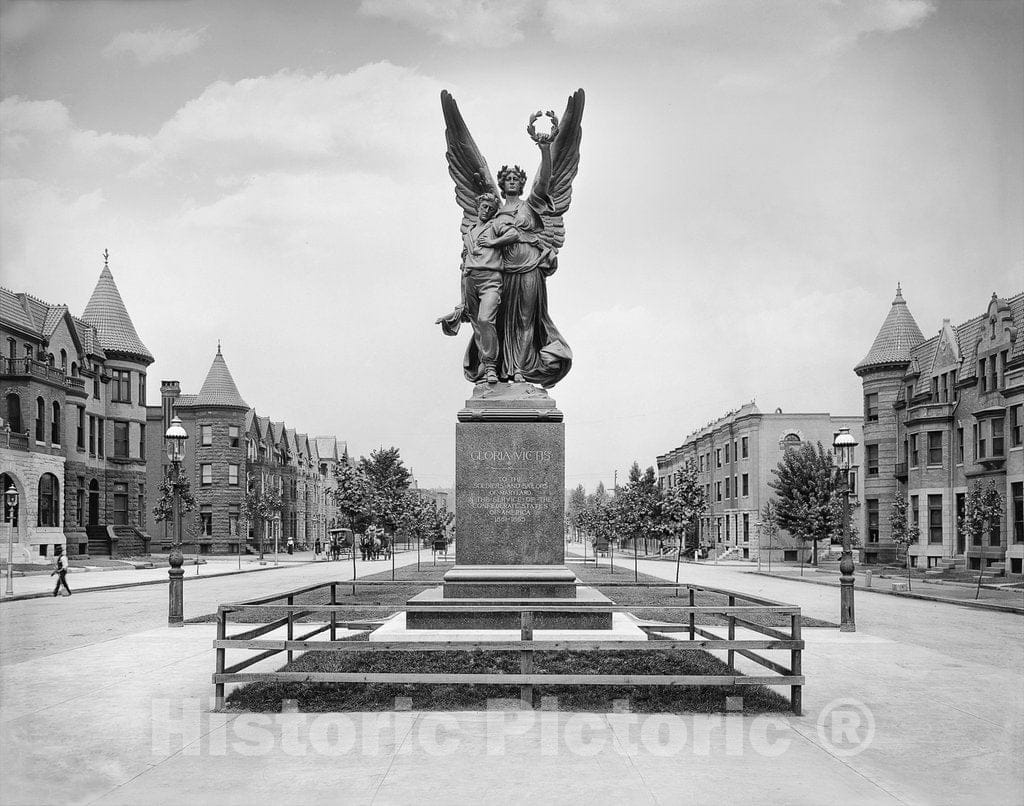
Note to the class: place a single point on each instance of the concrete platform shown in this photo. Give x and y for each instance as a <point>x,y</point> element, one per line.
<point>624,628</point>
<point>433,610</point>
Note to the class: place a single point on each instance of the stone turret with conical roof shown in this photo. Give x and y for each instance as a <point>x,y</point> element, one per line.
<point>106,312</point>
<point>898,335</point>
<point>219,388</point>
<point>882,373</point>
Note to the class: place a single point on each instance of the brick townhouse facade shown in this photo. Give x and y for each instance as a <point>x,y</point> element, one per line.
<point>734,457</point>
<point>230,450</point>
<point>941,414</point>
<point>73,437</point>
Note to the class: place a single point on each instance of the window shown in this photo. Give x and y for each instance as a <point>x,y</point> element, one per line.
<point>961,510</point>
<point>206,519</point>
<point>727,453</point>
<point>718,491</point>
<point>935,447</point>
<point>979,442</point>
<point>994,536</point>
<point>852,481</point>
<point>96,381</point>
<point>233,475</point>
<point>80,502</point>
<point>12,348</point>
<point>142,441</point>
<point>80,429</point>
<point>997,436</point>
<point>140,515</point>
<point>914,455</point>
<point>944,387</point>
<point>1017,425</point>
<point>120,386</point>
<point>233,436</point>
<point>206,435</point>
<point>871,505</point>
<point>92,435</point>
<point>40,419</point>
<point>727,519</point>
<point>718,457</point>
<point>49,501</point>
<point>206,471</point>
<point>233,520</point>
<point>100,428</point>
<point>910,393</point>
<point>915,512</point>
<point>55,428</point>
<point>727,488</point>
<point>871,407</point>
<point>791,441</point>
<point>935,389</point>
<point>142,388</point>
<point>14,413</point>
<point>1017,494</point>
<point>952,386</point>
<point>872,459</point>
<point>746,527</point>
<point>120,502</point>
<point>120,439</point>
<point>993,373</point>
<point>935,519</point>
<point>982,377</point>
<point>746,484</point>
<point>959,446</point>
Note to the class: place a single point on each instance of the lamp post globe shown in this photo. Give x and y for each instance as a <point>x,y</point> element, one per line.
<point>844,445</point>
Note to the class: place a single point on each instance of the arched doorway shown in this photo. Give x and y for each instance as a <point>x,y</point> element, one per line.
<point>94,503</point>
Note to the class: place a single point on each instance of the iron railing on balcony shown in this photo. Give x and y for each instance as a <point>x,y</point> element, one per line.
<point>13,440</point>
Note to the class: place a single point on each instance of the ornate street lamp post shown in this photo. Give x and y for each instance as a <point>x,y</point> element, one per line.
<point>175,445</point>
<point>11,499</point>
<point>844,444</point>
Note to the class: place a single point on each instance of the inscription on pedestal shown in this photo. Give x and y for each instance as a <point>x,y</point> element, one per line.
<point>509,493</point>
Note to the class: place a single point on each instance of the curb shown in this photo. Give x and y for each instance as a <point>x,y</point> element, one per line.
<point>993,606</point>
<point>44,594</point>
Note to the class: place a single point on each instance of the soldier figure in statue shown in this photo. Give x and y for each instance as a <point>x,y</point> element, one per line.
<point>528,232</point>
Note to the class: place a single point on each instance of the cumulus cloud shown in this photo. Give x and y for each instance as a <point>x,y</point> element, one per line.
<point>780,26</point>
<point>475,23</point>
<point>21,115</point>
<point>158,45</point>
<point>295,121</point>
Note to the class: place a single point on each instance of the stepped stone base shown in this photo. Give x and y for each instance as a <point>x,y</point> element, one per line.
<point>434,610</point>
<point>509,581</point>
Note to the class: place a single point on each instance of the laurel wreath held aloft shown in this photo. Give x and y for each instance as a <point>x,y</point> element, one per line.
<point>541,139</point>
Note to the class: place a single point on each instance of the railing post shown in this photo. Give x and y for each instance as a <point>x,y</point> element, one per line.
<point>222,631</point>
<point>291,625</point>
<point>693,620</point>
<point>796,668</point>
<point>526,660</point>
<point>334,613</point>
<point>732,633</point>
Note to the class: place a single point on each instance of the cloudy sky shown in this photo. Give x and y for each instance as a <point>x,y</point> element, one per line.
<point>756,177</point>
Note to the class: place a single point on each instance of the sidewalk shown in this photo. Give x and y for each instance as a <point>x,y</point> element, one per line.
<point>1009,601</point>
<point>128,720</point>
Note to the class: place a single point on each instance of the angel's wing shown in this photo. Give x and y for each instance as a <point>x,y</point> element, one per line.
<point>565,161</point>
<point>465,162</point>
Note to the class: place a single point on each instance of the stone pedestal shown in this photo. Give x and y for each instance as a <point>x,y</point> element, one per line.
<point>509,505</point>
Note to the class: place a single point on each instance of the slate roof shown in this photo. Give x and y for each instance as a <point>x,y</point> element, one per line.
<point>898,335</point>
<point>12,310</point>
<point>219,387</point>
<point>106,312</point>
<point>89,337</point>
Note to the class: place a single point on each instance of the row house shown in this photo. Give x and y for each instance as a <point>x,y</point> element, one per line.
<point>734,457</point>
<point>73,431</point>
<point>942,414</point>
<point>231,451</point>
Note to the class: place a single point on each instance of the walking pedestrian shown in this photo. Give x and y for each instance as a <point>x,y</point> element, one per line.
<point>61,571</point>
<point>316,549</point>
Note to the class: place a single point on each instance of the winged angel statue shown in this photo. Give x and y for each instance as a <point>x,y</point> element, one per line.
<point>510,248</point>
